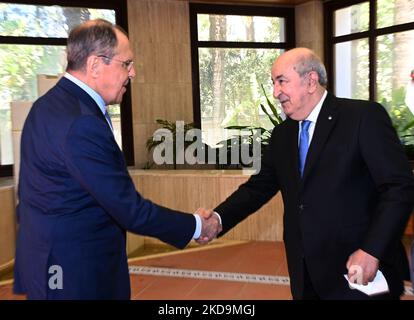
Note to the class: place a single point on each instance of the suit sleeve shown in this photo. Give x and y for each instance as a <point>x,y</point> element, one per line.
<point>392,175</point>
<point>251,195</point>
<point>94,159</point>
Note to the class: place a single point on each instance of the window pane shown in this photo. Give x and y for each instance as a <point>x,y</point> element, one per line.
<point>19,67</point>
<point>393,12</point>
<point>115,114</point>
<point>352,19</point>
<point>6,151</point>
<point>352,69</point>
<point>45,21</point>
<point>230,91</point>
<point>395,87</point>
<point>240,28</point>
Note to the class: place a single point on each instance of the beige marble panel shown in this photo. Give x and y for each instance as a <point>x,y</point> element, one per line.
<point>309,26</point>
<point>46,82</point>
<point>159,33</point>
<point>134,242</point>
<point>186,190</point>
<point>179,29</point>
<point>16,136</point>
<point>147,65</point>
<point>7,226</point>
<point>19,112</point>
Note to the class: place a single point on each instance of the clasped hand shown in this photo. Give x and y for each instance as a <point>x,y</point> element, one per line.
<point>211,225</point>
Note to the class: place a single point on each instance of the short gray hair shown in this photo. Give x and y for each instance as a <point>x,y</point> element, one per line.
<point>92,37</point>
<point>311,62</point>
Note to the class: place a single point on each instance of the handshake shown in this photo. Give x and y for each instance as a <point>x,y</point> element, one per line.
<point>211,225</point>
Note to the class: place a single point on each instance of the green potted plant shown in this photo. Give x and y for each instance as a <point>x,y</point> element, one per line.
<point>171,127</point>
<point>236,141</point>
<point>402,120</point>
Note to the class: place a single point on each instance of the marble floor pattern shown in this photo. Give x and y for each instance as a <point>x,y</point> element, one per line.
<point>227,270</point>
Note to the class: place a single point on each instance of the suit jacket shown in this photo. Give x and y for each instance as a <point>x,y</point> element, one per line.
<point>76,202</point>
<point>357,191</point>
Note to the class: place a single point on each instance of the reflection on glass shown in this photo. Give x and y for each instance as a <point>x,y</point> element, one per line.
<point>393,12</point>
<point>21,64</point>
<point>395,87</point>
<point>352,69</point>
<point>6,150</point>
<point>352,19</point>
<point>19,67</point>
<point>240,28</point>
<point>115,114</point>
<point>45,21</point>
<point>230,92</point>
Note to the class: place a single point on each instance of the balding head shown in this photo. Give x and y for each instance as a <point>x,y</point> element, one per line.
<point>304,60</point>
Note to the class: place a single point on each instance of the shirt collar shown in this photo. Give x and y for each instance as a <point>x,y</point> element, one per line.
<point>313,116</point>
<point>94,95</point>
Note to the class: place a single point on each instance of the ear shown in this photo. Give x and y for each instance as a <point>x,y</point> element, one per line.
<point>313,80</point>
<point>93,66</point>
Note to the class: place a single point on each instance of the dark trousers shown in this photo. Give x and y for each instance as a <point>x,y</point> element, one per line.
<point>309,292</point>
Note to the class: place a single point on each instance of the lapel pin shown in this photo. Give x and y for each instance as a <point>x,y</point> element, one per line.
<point>330,118</point>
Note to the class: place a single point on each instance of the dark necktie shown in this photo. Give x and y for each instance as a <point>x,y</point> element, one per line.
<point>108,118</point>
<point>303,144</point>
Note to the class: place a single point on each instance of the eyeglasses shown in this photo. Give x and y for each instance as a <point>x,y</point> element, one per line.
<point>127,64</point>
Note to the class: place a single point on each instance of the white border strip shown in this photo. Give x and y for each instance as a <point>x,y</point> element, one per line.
<point>209,275</point>
<point>223,276</point>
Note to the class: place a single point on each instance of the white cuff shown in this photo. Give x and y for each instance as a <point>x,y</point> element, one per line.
<point>197,231</point>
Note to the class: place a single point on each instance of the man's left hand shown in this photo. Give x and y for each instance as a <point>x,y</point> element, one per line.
<point>362,267</point>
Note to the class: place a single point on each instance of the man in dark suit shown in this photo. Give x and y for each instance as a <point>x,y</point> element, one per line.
<point>347,187</point>
<point>76,198</point>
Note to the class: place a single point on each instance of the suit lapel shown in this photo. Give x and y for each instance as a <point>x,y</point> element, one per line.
<point>324,125</point>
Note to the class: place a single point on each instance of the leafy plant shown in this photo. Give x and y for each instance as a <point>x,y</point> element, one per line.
<point>274,117</point>
<point>171,127</point>
<point>402,119</point>
<point>401,116</point>
<point>237,141</point>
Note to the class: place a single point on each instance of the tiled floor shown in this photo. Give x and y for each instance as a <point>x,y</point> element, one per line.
<point>229,259</point>
<point>264,258</point>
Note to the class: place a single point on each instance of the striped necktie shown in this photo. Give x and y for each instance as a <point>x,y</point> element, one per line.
<point>108,119</point>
